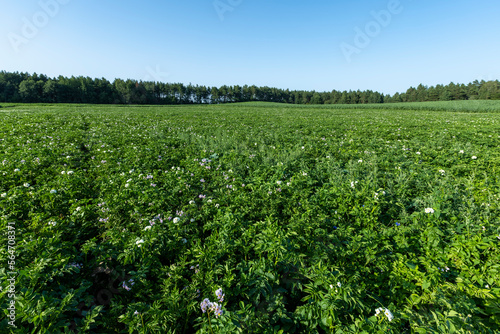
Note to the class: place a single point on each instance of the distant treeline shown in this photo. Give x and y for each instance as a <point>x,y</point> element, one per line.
<point>38,88</point>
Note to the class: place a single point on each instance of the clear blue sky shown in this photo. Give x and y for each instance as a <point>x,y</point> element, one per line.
<point>285,44</point>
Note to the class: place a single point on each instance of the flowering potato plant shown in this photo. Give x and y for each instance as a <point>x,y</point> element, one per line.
<point>249,218</point>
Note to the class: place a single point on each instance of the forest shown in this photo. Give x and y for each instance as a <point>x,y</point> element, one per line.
<point>19,87</point>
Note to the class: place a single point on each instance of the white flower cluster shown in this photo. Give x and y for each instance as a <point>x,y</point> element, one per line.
<point>387,313</point>
<point>76,265</point>
<point>338,284</point>
<point>429,210</point>
<point>220,295</point>
<point>206,304</point>
<point>127,184</point>
<point>125,286</point>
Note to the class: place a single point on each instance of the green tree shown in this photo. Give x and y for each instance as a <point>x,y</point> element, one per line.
<point>30,90</point>
<point>422,93</point>
<point>345,98</point>
<point>411,95</point>
<point>490,91</point>
<point>214,94</point>
<point>316,98</point>
<point>433,94</point>
<point>50,89</point>
<point>445,95</point>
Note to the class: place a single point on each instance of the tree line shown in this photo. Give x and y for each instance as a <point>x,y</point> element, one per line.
<point>38,88</point>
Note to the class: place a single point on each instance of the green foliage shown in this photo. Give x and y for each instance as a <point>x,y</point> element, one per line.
<point>327,219</point>
<point>24,87</point>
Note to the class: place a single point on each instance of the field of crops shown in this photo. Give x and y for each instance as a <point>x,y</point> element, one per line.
<point>250,218</point>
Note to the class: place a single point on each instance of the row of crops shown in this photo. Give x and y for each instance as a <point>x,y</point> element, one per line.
<point>248,219</point>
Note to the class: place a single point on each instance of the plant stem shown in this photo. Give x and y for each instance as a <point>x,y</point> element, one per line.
<point>209,322</point>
